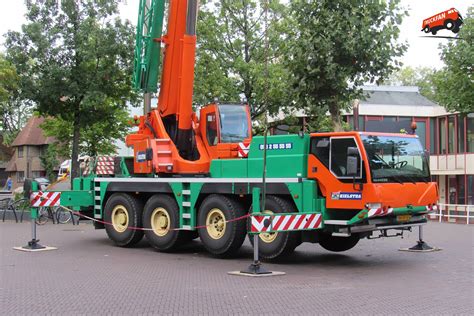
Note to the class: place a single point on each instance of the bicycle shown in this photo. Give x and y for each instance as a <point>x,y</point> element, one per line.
<point>56,213</point>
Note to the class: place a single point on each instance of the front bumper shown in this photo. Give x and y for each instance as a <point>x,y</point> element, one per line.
<point>383,219</point>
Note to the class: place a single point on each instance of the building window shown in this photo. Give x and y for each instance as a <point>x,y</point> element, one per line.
<point>433,143</point>
<point>36,174</point>
<point>470,133</point>
<point>461,137</point>
<point>20,151</point>
<point>457,189</point>
<point>442,135</point>
<point>451,133</point>
<point>20,176</point>
<point>470,190</point>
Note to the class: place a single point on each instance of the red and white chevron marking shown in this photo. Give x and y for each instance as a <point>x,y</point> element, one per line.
<point>105,165</point>
<point>376,212</point>
<point>244,149</point>
<point>45,198</point>
<point>285,222</point>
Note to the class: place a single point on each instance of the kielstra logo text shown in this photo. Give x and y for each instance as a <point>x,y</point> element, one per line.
<point>450,20</point>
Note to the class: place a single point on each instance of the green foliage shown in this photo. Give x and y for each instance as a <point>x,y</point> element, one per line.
<point>8,79</point>
<point>98,139</point>
<point>422,77</point>
<point>231,54</point>
<point>337,46</point>
<point>454,84</point>
<point>13,111</point>
<point>49,161</point>
<point>75,59</point>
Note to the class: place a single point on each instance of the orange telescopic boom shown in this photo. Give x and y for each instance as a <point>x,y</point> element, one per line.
<point>170,138</point>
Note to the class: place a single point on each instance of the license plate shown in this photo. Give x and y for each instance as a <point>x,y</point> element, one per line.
<point>403,218</point>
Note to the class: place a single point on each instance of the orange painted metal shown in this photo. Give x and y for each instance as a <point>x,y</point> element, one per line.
<point>389,194</point>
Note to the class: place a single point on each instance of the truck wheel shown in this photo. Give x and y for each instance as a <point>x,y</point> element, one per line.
<point>449,24</point>
<point>220,237</point>
<point>277,245</point>
<point>161,217</point>
<point>338,244</point>
<point>426,29</point>
<point>123,211</point>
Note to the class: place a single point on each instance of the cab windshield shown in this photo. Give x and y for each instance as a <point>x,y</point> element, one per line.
<point>234,123</point>
<point>396,159</point>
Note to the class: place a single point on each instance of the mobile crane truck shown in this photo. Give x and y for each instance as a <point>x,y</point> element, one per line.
<point>198,176</point>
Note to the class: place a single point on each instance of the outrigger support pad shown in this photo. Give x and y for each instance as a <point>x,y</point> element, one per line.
<point>34,245</point>
<point>256,268</point>
<point>421,245</point>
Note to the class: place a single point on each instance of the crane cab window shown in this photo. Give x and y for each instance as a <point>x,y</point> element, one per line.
<point>338,157</point>
<point>211,129</point>
<point>320,148</point>
<point>234,123</point>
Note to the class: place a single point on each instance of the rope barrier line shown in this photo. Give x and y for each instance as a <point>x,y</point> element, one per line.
<point>144,228</point>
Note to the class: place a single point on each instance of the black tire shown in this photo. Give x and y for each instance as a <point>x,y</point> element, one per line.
<point>273,246</point>
<point>338,244</point>
<point>118,230</point>
<point>456,29</point>
<point>449,24</point>
<point>219,237</point>
<point>426,29</point>
<point>434,32</point>
<point>163,238</point>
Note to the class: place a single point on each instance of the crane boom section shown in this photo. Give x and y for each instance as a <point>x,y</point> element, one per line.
<point>148,45</point>
<point>176,90</point>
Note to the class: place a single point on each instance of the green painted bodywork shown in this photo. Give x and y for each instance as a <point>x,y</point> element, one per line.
<point>281,162</point>
<point>286,159</point>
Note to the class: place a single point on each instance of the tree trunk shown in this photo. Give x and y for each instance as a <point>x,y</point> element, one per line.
<point>335,117</point>
<point>75,144</point>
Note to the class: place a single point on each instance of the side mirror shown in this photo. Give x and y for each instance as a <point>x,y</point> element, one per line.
<point>351,166</point>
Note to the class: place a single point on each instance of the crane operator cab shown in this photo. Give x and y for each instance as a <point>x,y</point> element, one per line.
<point>223,127</point>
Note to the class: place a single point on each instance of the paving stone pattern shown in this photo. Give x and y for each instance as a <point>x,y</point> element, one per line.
<point>88,275</point>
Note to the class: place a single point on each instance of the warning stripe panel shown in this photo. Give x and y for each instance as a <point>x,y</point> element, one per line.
<point>45,199</point>
<point>264,223</point>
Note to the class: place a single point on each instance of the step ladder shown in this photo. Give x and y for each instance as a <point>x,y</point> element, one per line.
<point>97,200</point>
<point>187,220</point>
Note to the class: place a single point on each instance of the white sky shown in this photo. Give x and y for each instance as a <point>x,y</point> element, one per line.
<point>422,51</point>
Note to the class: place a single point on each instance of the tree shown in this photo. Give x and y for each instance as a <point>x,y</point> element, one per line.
<point>231,54</point>
<point>14,111</point>
<point>337,46</point>
<point>454,84</point>
<point>77,57</point>
<point>422,77</point>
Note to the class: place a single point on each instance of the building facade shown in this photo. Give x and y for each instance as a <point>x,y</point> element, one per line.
<point>28,147</point>
<point>449,137</point>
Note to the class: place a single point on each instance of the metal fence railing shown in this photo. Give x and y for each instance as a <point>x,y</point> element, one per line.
<point>457,213</point>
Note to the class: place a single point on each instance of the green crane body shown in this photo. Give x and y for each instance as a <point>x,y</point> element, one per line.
<point>327,188</point>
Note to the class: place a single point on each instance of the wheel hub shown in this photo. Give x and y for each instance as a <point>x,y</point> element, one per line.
<point>120,218</point>
<point>160,221</point>
<point>215,223</point>
<point>268,237</point>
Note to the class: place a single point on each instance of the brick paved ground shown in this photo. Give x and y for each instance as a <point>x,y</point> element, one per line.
<point>87,275</point>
